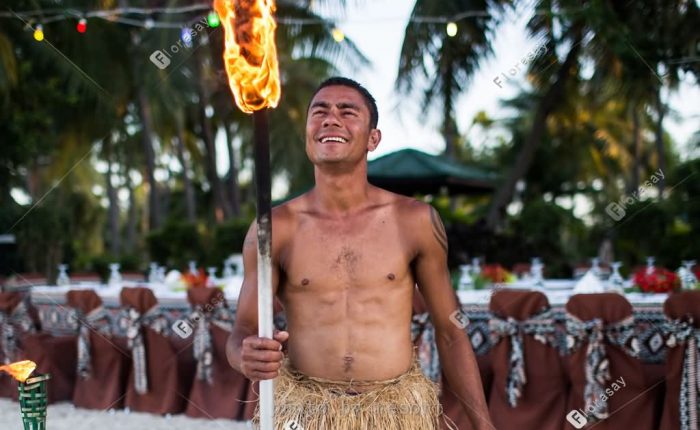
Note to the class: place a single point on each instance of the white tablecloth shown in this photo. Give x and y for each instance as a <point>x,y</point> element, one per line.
<point>557,291</point>
<point>110,294</point>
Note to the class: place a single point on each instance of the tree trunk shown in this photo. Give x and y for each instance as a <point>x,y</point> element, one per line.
<point>552,98</point>
<point>233,193</point>
<point>154,212</point>
<point>636,149</point>
<point>449,125</point>
<point>132,217</point>
<point>661,112</point>
<point>114,240</point>
<point>221,208</point>
<point>186,181</point>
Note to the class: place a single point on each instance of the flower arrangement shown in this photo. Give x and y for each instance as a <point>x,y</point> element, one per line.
<point>659,280</point>
<point>497,274</point>
<point>492,274</point>
<point>195,280</point>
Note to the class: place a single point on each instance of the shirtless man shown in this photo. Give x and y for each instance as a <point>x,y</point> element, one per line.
<point>346,257</point>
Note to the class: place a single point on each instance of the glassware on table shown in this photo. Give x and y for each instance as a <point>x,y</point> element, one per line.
<point>537,272</point>
<point>476,267</point>
<point>650,265</point>
<point>193,267</point>
<point>466,282</point>
<point>686,275</point>
<point>62,278</point>
<point>115,278</point>
<point>161,275</point>
<point>211,278</point>
<point>616,282</point>
<point>153,273</point>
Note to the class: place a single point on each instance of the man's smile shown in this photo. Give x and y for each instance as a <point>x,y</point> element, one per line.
<point>333,139</point>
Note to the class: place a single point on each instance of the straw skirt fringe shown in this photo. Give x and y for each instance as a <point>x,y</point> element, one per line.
<point>408,402</point>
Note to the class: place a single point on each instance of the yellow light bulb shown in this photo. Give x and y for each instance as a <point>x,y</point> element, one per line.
<point>39,33</point>
<point>338,35</point>
<point>451,29</point>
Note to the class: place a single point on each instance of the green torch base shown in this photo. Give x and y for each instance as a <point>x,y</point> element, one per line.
<point>33,401</point>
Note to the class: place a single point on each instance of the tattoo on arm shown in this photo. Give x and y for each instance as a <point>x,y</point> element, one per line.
<point>438,228</point>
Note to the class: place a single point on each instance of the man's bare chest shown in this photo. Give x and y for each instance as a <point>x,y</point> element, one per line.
<point>341,255</point>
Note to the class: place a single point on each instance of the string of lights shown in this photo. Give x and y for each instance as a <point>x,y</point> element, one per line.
<point>36,19</point>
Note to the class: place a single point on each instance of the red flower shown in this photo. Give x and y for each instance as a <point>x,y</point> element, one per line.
<point>494,273</point>
<point>660,280</point>
<point>198,280</point>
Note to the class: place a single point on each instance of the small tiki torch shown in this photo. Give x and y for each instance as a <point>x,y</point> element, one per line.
<point>32,393</point>
<point>250,58</point>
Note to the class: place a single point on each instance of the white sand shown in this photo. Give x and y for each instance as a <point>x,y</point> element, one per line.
<point>64,416</point>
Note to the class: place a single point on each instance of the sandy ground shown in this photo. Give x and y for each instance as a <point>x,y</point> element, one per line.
<point>64,416</point>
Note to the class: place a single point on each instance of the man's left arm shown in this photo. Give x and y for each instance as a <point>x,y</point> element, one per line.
<point>457,357</point>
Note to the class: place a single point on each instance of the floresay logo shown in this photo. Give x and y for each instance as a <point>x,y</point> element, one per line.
<point>292,425</point>
<point>182,328</point>
<point>160,59</point>
<point>577,419</point>
<point>459,319</point>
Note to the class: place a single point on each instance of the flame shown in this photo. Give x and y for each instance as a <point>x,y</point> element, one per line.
<point>250,55</point>
<point>20,370</point>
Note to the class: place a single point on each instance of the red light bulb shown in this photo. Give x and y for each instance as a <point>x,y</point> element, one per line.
<point>82,25</point>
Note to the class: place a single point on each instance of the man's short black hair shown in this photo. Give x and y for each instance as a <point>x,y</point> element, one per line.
<point>345,82</point>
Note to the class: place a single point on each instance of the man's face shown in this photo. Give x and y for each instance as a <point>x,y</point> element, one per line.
<point>337,127</point>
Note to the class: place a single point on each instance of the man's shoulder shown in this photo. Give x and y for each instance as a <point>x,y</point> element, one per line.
<point>287,211</point>
<point>408,209</point>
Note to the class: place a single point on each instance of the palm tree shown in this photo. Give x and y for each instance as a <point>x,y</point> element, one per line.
<point>440,66</point>
<point>583,32</point>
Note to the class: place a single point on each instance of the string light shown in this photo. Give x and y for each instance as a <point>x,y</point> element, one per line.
<point>125,15</point>
<point>82,25</point>
<point>39,33</point>
<point>213,19</point>
<point>338,35</point>
<point>451,29</point>
<point>186,36</point>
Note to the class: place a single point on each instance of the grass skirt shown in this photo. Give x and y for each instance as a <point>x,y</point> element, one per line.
<point>407,402</point>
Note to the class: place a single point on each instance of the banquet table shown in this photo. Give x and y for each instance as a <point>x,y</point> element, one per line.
<point>57,319</point>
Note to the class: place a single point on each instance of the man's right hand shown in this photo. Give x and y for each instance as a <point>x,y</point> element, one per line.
<point>261,358</point>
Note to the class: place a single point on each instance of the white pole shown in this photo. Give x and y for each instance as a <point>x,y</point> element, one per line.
<point>264,221</point>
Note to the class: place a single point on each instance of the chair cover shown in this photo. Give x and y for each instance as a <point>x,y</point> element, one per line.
<point>424,341</point>
<point>529,388</point>
<point>15,322</point>
<point>154,384</point>
<point>218,390</point>
<point>608,383</point>
<point>103,359</point>
<point>683,339</point>
<point>21,341</point>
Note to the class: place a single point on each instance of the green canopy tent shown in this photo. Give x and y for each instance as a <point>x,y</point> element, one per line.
<point>410,172</point>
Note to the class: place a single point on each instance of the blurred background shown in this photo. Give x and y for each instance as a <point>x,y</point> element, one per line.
<point>555,129</point>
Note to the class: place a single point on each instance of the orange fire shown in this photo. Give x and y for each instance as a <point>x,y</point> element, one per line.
<point>20,370</point>
<point>250,55</point>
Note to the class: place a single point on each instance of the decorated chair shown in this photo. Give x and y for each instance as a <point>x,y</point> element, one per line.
<point>423,335</point>
<point>218,390</point>
<point>22,341</point>
<point>608,386</point>
<point>155,383</point>
<point>15,322</point>
<point>682,402</point>
<point>103,359</point>
<point>529,380</point>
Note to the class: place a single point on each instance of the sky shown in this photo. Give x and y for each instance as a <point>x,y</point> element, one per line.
<point>377,28</point>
